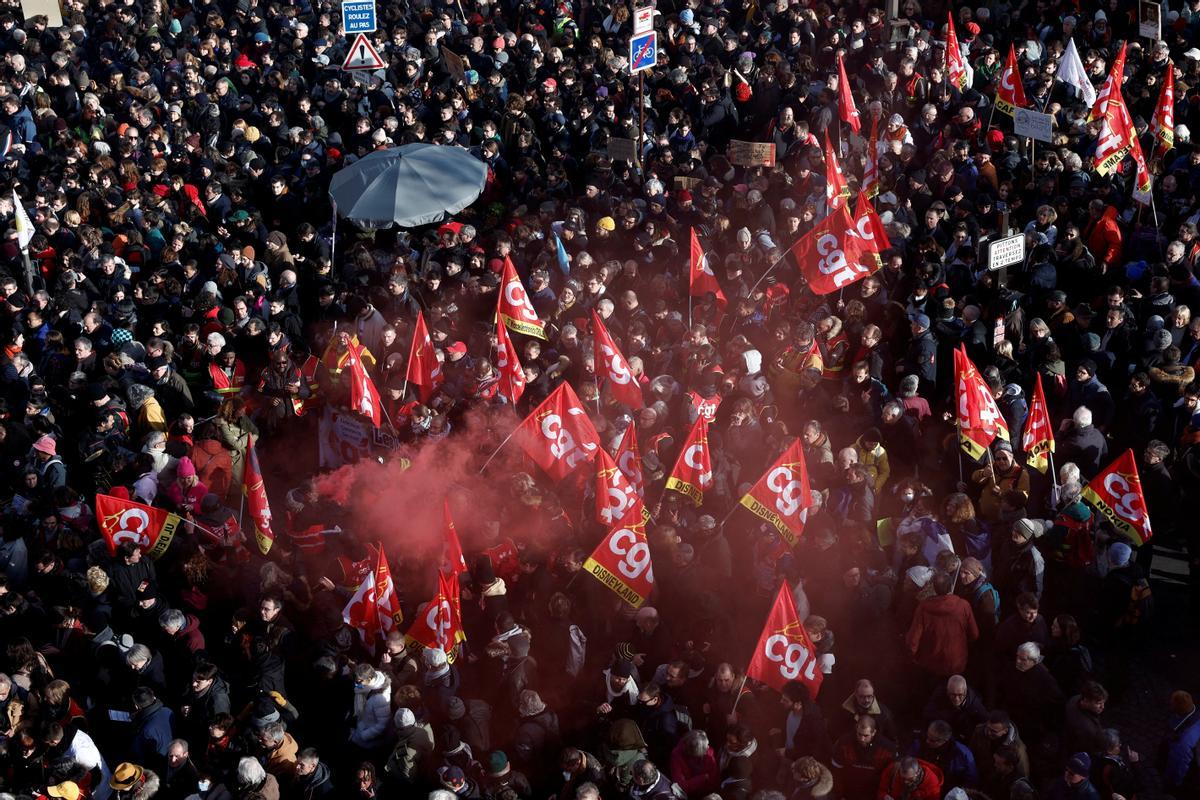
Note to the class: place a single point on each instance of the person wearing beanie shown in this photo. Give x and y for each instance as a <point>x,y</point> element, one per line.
<point>1025,568</point>
<point>1074,783</point>
<point>537,739</point>
<point>472,719</point>
<point>502,780</point>
<point>1003,474</point>
<point>1125,605</point>
<point>441,680</point>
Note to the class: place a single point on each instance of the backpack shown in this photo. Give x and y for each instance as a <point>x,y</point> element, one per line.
<point>1141,605</point>
<point>987,588</point>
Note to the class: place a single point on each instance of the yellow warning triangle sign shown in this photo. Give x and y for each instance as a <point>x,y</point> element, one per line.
<point>362,55</point>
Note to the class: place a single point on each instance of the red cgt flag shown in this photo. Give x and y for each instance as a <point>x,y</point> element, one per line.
<point>152,529</point>
<point>362,612</point>
<point>1162,127</point>
<point>868,236</point>
<point>870,180</point>
<point>557,434</point>
<point>613,368</point>
<point>617,502</point>
<point>846,108</point>
<point>629,460</point>
<point>784,652</point>
<point>622,563</point>
<point>424,369</point>
<point>827,255</point>
<point>256,501</point>
<point>364,397</point>
<point>782,496</point>
<point>979,419</point>
<point>1117,494</point>
<point>692,473</point>
<point>1038,438</point>
<point>387,599</point>
<point>1113,83</point>
<point>836,190</point>
<point>439,626</point>
<point>1010,93</point>
<point>514,308</point>
<point>701,279</point>
<point>956,67</point>
<point>512,374</point>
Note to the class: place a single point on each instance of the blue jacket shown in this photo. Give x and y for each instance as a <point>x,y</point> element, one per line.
<point>1180,746</point>
<point>154,733</point>
<point>23,128</point>
<point>955,760</point>
<point>1061,790</point>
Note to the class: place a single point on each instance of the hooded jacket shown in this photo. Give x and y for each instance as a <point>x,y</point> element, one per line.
<point>941,631</point>
<point>372,711</point>
<point>409,760</point>
<point>624,748</point>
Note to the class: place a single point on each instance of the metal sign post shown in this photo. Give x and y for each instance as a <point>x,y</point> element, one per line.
<point>643,55</point>
<point>1003,253</point>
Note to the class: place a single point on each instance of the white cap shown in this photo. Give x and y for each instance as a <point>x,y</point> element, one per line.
<point>434,657</point>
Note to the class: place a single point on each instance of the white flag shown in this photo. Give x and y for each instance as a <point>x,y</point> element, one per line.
<point>23,223</point>
<point>1070,71</point>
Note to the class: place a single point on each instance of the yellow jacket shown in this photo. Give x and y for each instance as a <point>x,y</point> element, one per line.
<point>876,462</point>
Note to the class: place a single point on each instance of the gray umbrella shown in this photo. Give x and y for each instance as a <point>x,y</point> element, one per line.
<point>416,184</point>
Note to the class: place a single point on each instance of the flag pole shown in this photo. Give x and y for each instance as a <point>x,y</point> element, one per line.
<point>209,531</point>
<point>741,688</point>
<point>333,236</point>
<point>958,448</point>
<point>498,449</point>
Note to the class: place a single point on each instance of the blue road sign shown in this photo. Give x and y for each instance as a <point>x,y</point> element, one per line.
<point>358,16</point>
<point>643,52</point>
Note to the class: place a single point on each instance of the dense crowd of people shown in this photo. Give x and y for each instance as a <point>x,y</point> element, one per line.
<point>180,295</point>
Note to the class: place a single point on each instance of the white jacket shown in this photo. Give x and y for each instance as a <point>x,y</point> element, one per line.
<point>372,711</point>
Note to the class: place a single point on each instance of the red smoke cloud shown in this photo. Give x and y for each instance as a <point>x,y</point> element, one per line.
<point>402,507</point>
